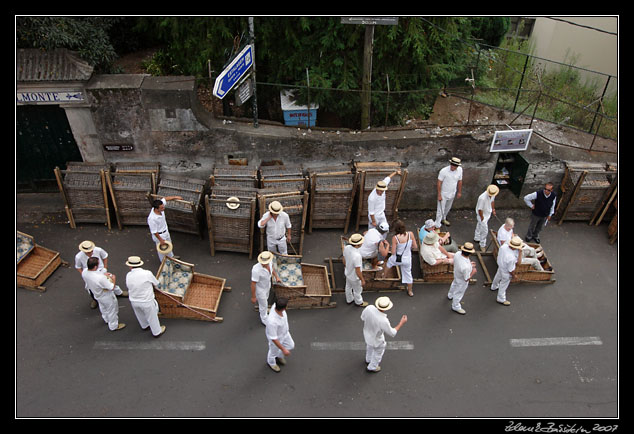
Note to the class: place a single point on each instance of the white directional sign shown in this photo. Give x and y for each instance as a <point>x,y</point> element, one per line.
<point>234,72</point>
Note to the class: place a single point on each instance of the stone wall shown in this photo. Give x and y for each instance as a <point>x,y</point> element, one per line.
<point>163,120</point>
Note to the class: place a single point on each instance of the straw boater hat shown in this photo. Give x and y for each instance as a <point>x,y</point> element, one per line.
<point>381,185</point>
<point>467,247</point>
<point>164,249</point>
<point>455,161</point>
<point>275,207</point>
<point>493,190</point>
<point>515,243</point>
<point>430,238</point>
<point>265,257</point>
<point>233,202</point>
<point>86,246</point>
<point>383,303</point>
<point>356,239</point>
<point>134,261</point>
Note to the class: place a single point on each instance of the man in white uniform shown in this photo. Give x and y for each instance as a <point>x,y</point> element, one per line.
<point>278,228</point>
<point>463,271</point>
<point>448,187</point>
<point>261,283</point>
<point>140,284</point>
<point>375,326</point>
<point>509,256</point>
<point>374,244</point>
<point>353,264</point>
<point>102,287</point>
<point>530,255</point>
<point>484,208</point>
<point>376,201</point>
<point>158,225</point>
<point>87,250</point>
<point>278,334</point>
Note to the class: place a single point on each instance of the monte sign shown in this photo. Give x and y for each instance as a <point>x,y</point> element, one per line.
<point>234,72</point>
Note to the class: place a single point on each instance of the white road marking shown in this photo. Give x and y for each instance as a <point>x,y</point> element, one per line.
<point>358,346</point>
<point>158,345</point>
<point>545,342</point>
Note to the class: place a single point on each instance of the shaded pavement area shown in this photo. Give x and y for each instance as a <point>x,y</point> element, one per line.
<point>553,353</point>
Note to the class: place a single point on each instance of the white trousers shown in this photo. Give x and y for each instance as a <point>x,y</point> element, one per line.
<point>406,268</point>
<point>456,292</point>
<point>482,230</point>
<point>354,289</point>
<point>262,298</point>
<point>287,342</point>
<point>109,308</point>
<point>167,237</point>
<point>147,314</point>
<point>277,246</point>
<point>501,283</point>
<point>374,355</point>
<point>442,209</point>
<point>380,217</point>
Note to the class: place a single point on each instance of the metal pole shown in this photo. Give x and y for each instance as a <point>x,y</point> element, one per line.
<point>519,89</point>
<point>387,103</point>
<point>607,82</point>
<point>367,76</point>
<point>308,104</point>
<point>255,98</point>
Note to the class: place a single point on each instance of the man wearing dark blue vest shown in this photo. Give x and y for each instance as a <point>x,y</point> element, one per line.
<point>542,203</point>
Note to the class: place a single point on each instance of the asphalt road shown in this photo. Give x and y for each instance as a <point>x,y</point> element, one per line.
<point>493,362</point>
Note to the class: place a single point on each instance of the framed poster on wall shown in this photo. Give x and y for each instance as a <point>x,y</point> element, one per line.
<point>510,141</point>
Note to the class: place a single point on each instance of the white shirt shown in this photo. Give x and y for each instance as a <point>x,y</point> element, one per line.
<point>461,267</point>
<point>97,282</point>
<point>81,259</point>
<point>275,228</point>
<point>262,278</point>
<point>276,325</point>
<point>376,203</point>
<point>449,179</point>
<point>504,235</point>
<point>375,325</point>
<point>353,260</point>
<point>140,285</point>
<point>371,239</point>
<point>507,258</point>
<point>431,253</point>
<point>484,204</point>
<point>157,222</point>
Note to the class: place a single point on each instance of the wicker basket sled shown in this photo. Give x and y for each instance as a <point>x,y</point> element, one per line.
<point>183,293</point>
<point>182,215</point>
<point>304,285</point>
<point>332,197</point>
<point>440,273</point>
<point>525,273</point>
<point>34,262</point>
<point>375,279</point>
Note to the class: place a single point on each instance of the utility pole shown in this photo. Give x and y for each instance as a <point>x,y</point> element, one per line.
<point>367,76</point>
<point>255,97</point>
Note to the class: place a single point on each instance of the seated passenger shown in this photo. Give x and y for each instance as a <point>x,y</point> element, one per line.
<point>530,255</point>
<point>432,252</point>
<point>444,241</point>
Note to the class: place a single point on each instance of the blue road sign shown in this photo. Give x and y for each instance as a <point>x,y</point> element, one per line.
<point>234,72</point>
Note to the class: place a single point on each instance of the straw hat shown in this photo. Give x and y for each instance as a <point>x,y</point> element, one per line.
<point>165,248</point>
<point>515,243</point>
<point>134,261</point>
<point>233,202</point>
<point>381,185</point>
<point>86,246</point>
<point>493,190</point>
<point>431,238</point>
<point>275,207</point>
<point>356,239</point>
<point>265,257</point>
<point>455,161</point>
<point>467,247</point>
<point>383,303</point>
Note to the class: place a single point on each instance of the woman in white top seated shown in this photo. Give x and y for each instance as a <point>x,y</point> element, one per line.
<point>432,252</point>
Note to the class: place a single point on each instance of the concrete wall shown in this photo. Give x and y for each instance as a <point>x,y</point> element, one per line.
<point>162,118</point>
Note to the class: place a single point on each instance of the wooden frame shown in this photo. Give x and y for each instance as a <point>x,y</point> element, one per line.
<point>295,205</point>
<point>201,297</point>
<point>182,215</point>
<point>35,265</point>
<point>231,230</point>
<point>315,292</point>
<point>330,191</point>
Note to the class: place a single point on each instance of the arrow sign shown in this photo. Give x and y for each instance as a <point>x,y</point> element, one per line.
<point>234,72</point>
